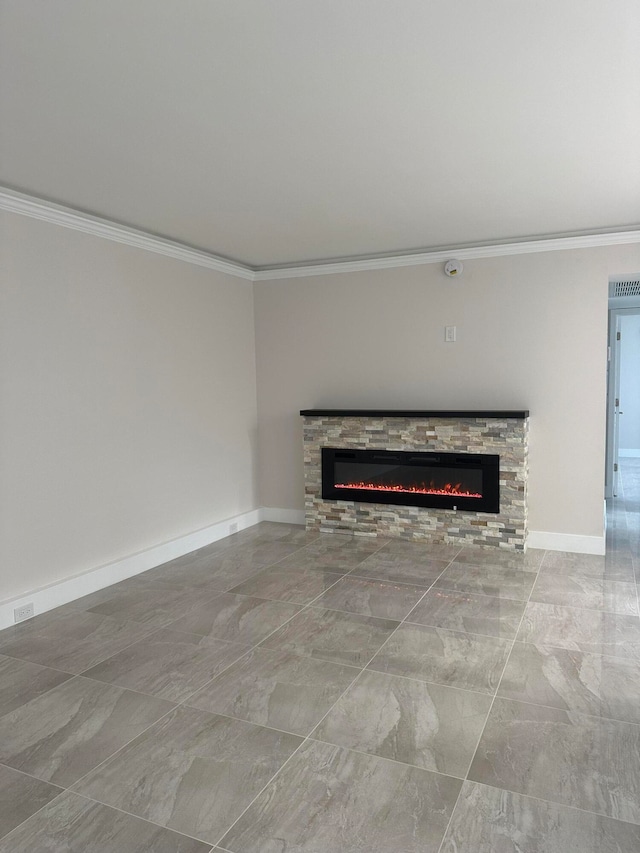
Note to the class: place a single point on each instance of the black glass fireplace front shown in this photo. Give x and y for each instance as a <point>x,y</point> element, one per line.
<point>462,481</point>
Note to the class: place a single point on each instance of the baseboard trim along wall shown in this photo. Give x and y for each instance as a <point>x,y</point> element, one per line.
<point>566,542</point>
<point>70,589</point>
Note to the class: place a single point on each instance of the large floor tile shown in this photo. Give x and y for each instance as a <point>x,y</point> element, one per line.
<point>108,593</point>
<point>276,689</point>
<point>169,664</point>
<point>495,581</point>
<point>22,681</point>
<point>20,797</point>
<point>584,591</point>
<point>73,824</point>
<point>620,572</point>
<point>573,681</point>
<point>469,661</point>
<point>61,735</point>
<point>193,772</point>
<point>428,725</point>
<point>256,553</point>
<point>464,611</point>
<point>235,565</point>
<point>151,605</point>
<point>590,763</point>
<point>530,561</point>
<point>237,618</point>
<point>74,642</point>
<point>401,569</point>
<point>326,561</point>
<point>197,570</point>
<point>612,567</point>
<point>299,586</point>
<point>331,799</point>
<point>371,597</point>
<point>333,553</point>
<point>418,550</point>
<point>331,635</point>
<point>489,820</point>
<point>585,630</point>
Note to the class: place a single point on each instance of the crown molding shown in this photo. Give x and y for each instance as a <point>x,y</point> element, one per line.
<point>36,208</point>
<point>525,247</point>
<point>26,205</point>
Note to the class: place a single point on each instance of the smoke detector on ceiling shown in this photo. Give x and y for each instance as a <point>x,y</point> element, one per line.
<point>453,269</point>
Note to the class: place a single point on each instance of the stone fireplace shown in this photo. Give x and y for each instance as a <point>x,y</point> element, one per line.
<point>457,477</point>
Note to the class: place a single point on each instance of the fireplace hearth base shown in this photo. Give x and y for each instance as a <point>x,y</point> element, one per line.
<point>494,433</point>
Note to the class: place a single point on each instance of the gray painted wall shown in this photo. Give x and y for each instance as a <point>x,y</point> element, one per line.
<point>532,333</point>
<point>128,401</point>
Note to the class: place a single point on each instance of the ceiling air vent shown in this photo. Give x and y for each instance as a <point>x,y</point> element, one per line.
<point>624,287</point>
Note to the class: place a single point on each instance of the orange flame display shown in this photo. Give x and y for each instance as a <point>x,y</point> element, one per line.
<point>448,489</point>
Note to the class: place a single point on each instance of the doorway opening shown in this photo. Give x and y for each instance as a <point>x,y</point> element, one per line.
<point>623,378</point>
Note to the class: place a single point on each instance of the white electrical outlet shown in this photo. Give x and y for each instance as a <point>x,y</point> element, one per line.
<point>233,528</point>
<point>450,334</point>
<point>24,612</point>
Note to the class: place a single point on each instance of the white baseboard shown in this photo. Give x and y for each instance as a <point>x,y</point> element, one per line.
<point>285,516</point>
<point>629,452</point>
<point>566,542</point>
<point>62,592</point>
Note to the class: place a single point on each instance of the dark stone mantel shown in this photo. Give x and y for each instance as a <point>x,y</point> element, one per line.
<point>521,414</point>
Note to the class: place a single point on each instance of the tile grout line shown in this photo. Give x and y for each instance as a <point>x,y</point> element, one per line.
<point>281,768</point>
<point>360,671</point>
<point>168,713</point>
<point>404,620</point>
<point>139,817</point>
<point>558,805</point>
<point>120,748</point>
<point>311,603</point>
<point>152,632</point>
<point>309,738</point>
<point>304,607</point>
<point>305,740</point>
<point>600,717</point>
<point>493,699</point>
<point>44,666</point>
<point>548,645</point>
<point>190,695</point>
<point>140,578</point>
<point>64,791</point>
<point>259,644</point>
<point>588,609</point>
<point>496,696</point>
<point>385,758</point>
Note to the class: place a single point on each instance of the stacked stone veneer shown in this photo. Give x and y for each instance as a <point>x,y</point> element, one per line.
<point>507,437</point>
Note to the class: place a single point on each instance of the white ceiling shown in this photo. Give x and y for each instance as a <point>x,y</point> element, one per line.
<point>284,131</point>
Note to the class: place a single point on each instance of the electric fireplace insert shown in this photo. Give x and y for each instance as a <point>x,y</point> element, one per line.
<point>456,481</point>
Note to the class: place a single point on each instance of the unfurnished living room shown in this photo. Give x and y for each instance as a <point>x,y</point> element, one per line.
<point>319,426</point>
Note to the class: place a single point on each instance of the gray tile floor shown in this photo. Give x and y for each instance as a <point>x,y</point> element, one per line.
<point>279,691</point>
